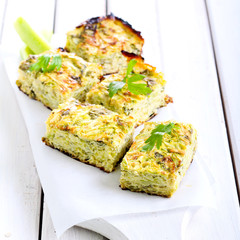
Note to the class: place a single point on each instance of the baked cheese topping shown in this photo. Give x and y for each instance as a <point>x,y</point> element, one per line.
<point>74,79</point>
<point>166,160</point>
<point>124,102</point>
<point>102,39</point>
<point>91,122</point>
<point>72,75</point>
<point>123,99</point>
<point>105,35</point>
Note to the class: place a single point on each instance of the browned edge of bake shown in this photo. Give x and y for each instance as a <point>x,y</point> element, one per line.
<point>96,20</point>
<point>153,194</point>
<point>130,56</point>
<point>45,140</point>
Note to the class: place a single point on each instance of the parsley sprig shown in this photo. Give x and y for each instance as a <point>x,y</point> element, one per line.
<point>47,63</point>
<point>157,136</point>
<point>132,81</point>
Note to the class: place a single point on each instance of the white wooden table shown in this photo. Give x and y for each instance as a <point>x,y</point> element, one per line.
<point>196,45</point>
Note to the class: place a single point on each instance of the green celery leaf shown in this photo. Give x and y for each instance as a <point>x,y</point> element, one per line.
<point>148,147</point>
<point>135,78</point>
<point>55,63</point>
<point>43,65</point>
<point>125,79</point>
<point>131,65</point>
<point>133,87</point>
<point>139,88</point>
<point>114,87</point>
<point>157,136</point>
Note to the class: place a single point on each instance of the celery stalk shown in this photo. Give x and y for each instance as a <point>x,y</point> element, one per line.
<point>25,51</point>
<point>36,43</point>
<point>47,35</point>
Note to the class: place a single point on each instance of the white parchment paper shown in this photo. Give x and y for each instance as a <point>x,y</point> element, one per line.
<point>76,192</point>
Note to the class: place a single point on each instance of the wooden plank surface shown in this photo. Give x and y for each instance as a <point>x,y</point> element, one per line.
<point>225,24</point>
<point>19,184</point>
<point>188,63</point>
<point>67,18</point>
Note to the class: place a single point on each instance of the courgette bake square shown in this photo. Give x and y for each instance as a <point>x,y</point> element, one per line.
<point>89,133</point>
<point>102,39</point>
<point>140,107</point>
<point>159,171</point>
<point>74,79</point>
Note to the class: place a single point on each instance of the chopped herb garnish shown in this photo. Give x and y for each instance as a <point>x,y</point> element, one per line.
<point>114,87</point>
<point>132,81</point>
<point>47,63</point>
<point>157,136</point>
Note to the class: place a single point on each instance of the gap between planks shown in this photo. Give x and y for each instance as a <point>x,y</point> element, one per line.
<point>223,105</point>
<point>54,14</point>
<point>106,8</point>
<point>41,216</point>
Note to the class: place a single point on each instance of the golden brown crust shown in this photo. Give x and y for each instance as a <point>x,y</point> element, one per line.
<point>152,116</point>
<point>90,22</point>
<point>130,56</point>
<point>168,99</point>
<point>160,195</point>
<point>74,78</point>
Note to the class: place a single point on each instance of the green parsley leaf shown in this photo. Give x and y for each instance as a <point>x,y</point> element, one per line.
<point>133,87</point>
<point>114,87</point>
<point>135,78</point>
<point>139,88</point>
<point>55,63</point>
<point>130,67</point>
<point>43,65</point>
<point>157,136</point>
